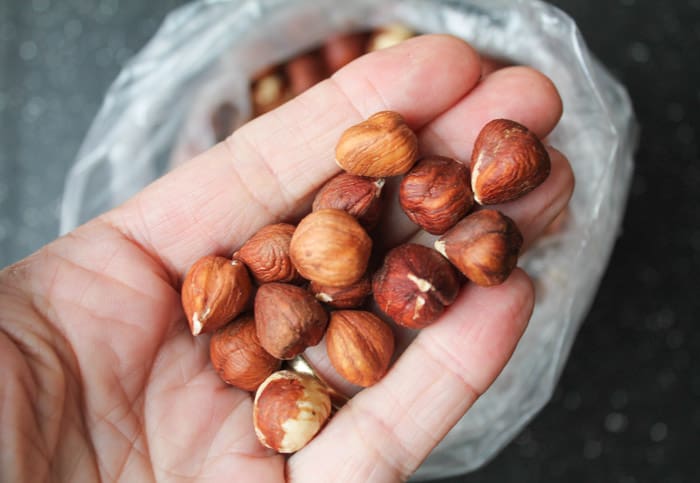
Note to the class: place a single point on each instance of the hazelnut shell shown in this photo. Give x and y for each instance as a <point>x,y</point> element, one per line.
<point>414,285</point>
<point>215,290</point>
<point>289,409</point>
<point>508,161</point>
<point>381,146</point>
<point>484,246</point>
<point>360,346</point>
<point>288,319</point>
<point>435,194</point>
<point>238,357</point>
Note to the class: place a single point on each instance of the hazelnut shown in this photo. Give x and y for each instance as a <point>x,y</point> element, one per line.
<point>381,146</point>
<point>289,410</point>
<point>484,246</point>
<point>266,254</point>
<point>358,195</point>
<point>349,297</point>
<point>331,248</point>
<point>340,50</point>
<point>214,292</point>
<point>269,90</point>
<point>435,193</point>
<point>305,71</point>
<point>414,285</point>
<point>288,319</point>
<point>238,357</point>
<point>508,161</point>
<point>388,36</point>
<point>360,346</point>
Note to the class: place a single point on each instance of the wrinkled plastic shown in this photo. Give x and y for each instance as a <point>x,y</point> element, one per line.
<point>157,110</point>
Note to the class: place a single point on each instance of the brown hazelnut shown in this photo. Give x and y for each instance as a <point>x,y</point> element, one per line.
<point>360,346</point>
<point>349,297</point>
<point>414,285</point>
<point>381,146</point>
<point>305,71</point>
<point>288,319</point>
<point>360,196</point>
<point>435,193</point>
<point>214,292</point>
<point>331,248</point>
<point>388,36</point>
<point>266,254</point>
<point>269,89</point>
<point>289,410</point>
<point>238,357</point>
<point>508,162</point>
<point>484,246</point>
<point>340,50</point>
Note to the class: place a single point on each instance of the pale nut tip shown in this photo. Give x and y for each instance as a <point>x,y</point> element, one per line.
<point>440,247</point>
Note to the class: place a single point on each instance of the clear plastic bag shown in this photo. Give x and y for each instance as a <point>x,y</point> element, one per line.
<point>205,53</point>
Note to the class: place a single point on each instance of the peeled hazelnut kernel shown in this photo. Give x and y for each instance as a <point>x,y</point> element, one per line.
<point>484,246</point>
<point>349,297</point>
<point>508,162</point>
<point>414,285</point>
<point>268,91</point>
<point>360,196</point>
<point>238,357</point>
<point>288,319</point>
<point>360,346</point>
<point>331,248</point>
<point>381,146</point>
<point>340,50</point>
<point>289,410</point>
<point>435,193</point>
<point>266,254</point>
<point>388,36</point>
<point>214,292</point>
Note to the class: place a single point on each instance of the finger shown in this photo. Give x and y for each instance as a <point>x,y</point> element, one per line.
<point>518,93</point>
<point>268,169</point>
<point>387,430</point>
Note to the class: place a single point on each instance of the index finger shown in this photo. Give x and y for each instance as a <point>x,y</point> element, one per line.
<point>268,169</point>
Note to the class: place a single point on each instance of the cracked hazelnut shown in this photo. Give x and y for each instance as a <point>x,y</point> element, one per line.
<point>435,193</point>
<point>349,297</point>
<point>381,146</point>
<point>288,319</point>
<point>214,291</point>
<point>484,246</point>
<point>360,346</point>
<point>266,254</point>
<point>414,285</point>
<point>508,161</point>
<point>360,196</point>
<point>331,248</point>
<point>289,410</point>
<point>237,356</point>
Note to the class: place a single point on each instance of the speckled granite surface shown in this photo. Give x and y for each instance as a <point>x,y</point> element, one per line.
<point>627,408</point>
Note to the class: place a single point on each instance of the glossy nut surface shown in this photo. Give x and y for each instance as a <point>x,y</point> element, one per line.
<point>266,254</point>
<point>359,196</point>
<point>359,345</point>
<point>330,247</point>
<point>508,161</point>
<point>288,319</point>
<point>349,297</point>
<point>289,410</point>
<point>381,146</point>
<point>414,285</point>
<point>484,246</point>
<point>237,356</point>
<point>215,290</point>
<point>435,194</point>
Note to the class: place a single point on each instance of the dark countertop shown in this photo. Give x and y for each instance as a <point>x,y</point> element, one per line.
<point>627,408</point>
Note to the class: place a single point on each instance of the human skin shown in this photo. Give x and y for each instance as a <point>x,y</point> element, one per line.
<point>101,379</point>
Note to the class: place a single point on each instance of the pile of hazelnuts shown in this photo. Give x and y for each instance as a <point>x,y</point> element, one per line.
<point>289,286</point>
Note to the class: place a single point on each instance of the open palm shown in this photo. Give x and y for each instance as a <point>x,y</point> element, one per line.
<point>101,379</point>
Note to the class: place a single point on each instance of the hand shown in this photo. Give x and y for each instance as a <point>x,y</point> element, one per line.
<point>101,378</point>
